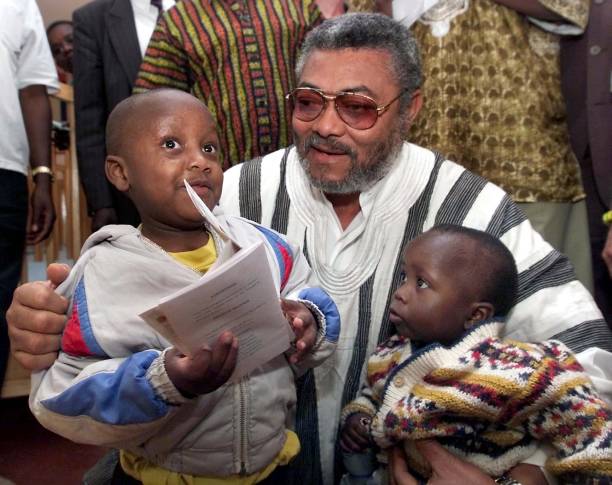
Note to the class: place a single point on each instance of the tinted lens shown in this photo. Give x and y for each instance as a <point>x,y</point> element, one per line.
<point>357,111</point>
<point>307,104</point>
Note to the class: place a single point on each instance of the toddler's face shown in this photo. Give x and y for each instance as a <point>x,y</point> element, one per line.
<point>432,304</point>
<point>177,142</point>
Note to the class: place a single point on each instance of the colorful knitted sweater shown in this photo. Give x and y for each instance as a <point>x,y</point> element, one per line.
<point>489,402</point>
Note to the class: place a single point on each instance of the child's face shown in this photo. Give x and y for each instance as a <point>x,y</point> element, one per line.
<point>177,140</point>
<point>434,300</point>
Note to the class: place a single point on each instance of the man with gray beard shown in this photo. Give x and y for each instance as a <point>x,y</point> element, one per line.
<point>353,193</point>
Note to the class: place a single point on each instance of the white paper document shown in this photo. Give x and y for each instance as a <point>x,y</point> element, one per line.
<point>238,295</point>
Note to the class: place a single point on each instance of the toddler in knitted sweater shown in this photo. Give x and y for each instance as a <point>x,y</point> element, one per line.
<point>447,375</point>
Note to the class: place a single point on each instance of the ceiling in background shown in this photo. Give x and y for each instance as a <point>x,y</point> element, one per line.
<point>53,10</point>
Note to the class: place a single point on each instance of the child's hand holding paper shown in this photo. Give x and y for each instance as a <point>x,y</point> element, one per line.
<point>304,326</point>
<point>206,370</point>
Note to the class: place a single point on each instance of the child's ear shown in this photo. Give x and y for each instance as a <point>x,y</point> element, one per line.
<point>116,173</point>
<point>481,311</point>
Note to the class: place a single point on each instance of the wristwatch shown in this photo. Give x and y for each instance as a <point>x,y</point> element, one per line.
<point>506,480</point>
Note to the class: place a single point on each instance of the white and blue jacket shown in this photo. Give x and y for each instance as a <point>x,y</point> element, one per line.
<point>109,386</point>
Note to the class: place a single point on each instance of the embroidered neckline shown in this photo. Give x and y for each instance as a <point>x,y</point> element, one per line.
<point>392,201</point>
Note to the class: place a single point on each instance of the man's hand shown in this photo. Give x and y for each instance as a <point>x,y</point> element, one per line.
<point>36,319</point>
<point>607,251</point>
<point>304,326</point>
<point>207,370</point>
<point>447,469</point>
<point>42,212</point>
<point>355,435</point>
<point>103,217</point>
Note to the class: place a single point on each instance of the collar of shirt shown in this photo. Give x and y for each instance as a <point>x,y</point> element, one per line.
<point>145,18</point>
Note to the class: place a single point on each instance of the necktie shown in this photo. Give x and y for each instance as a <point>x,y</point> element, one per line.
<point>158,4</point>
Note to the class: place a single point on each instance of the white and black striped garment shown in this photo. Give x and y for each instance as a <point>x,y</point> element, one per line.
<point>420,191</point>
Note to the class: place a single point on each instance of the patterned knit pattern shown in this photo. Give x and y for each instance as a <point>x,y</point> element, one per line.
<point>490,401</point>
<point>238,57</point>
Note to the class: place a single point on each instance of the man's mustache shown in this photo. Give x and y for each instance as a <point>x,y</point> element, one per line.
<point>330,144</point>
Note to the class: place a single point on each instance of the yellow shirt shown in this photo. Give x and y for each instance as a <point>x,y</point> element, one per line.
<point>147,472</point>
<point>200,259</point>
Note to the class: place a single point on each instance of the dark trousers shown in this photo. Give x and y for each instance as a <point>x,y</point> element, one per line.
<point>13,220</point>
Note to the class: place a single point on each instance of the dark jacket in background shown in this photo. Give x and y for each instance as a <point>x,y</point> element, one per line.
<point>586,63</point>
<point>106,60</point>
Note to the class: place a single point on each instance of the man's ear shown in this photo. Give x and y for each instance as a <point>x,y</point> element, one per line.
<point>116,173</point>
<point>480,311</point>
<point>416,103</point>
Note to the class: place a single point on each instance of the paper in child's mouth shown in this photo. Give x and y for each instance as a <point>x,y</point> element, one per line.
<point>207,214</point>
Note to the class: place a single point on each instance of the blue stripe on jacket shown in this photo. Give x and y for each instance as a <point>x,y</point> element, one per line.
<point>80,298</point>
<point>282,250</point>
<point>327,306</point>
<point>124,396</point>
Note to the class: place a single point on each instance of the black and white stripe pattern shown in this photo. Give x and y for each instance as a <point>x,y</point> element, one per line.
<point>507,215</point>
<point>460,199</point>
<point>447,195</point>
<point>416,220</point>
<point>594,333</point>
<point>280,218</point>
<point>250,190</point>
<point>552,270</point>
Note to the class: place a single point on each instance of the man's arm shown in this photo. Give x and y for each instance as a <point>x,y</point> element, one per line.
<point>36,318</point>
<point>37,119</point>
<point>91,113</point>
<point>531,8</point>
<point>447,469</point>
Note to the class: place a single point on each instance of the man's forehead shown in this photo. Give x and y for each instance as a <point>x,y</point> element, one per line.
<point>359,70</point>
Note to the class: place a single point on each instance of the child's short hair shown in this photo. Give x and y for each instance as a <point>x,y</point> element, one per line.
<point>496,269</point>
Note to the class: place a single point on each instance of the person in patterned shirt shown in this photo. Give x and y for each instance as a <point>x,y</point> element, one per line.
<point>239,59</point>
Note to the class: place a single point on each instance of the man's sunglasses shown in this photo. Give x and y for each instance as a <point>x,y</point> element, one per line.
<point>357,110</point>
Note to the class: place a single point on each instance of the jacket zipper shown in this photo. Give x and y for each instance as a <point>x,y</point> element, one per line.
<point>243,427</point>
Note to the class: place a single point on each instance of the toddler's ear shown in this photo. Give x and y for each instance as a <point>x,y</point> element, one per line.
<point>481,311</point>
<point>116,173</point>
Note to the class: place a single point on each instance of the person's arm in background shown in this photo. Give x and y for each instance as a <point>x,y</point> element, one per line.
<point>532,8</point>
<point>90,117</point>
<point>36,112</point>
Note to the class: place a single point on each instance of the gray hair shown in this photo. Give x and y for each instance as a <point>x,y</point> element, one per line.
<point>369,31</point>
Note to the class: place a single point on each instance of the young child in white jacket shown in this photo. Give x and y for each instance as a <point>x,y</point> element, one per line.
<point>117,382</point>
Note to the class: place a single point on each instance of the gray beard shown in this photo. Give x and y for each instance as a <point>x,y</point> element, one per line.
<point>362,176</point>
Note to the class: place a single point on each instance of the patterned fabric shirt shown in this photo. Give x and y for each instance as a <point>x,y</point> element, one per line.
<point>238,57</point>
<point>492,97</point>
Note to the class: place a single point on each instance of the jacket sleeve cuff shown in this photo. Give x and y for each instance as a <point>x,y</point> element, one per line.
<point>321,323</point>
<point>161,383</point>
<point>359,405</point>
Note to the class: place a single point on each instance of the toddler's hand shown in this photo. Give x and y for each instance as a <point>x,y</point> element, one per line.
<point>206,370</point>
<point>355,435</point>
<point>304,326</point>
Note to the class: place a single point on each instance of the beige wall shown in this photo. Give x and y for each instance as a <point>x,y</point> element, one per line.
<point>58,9</point>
